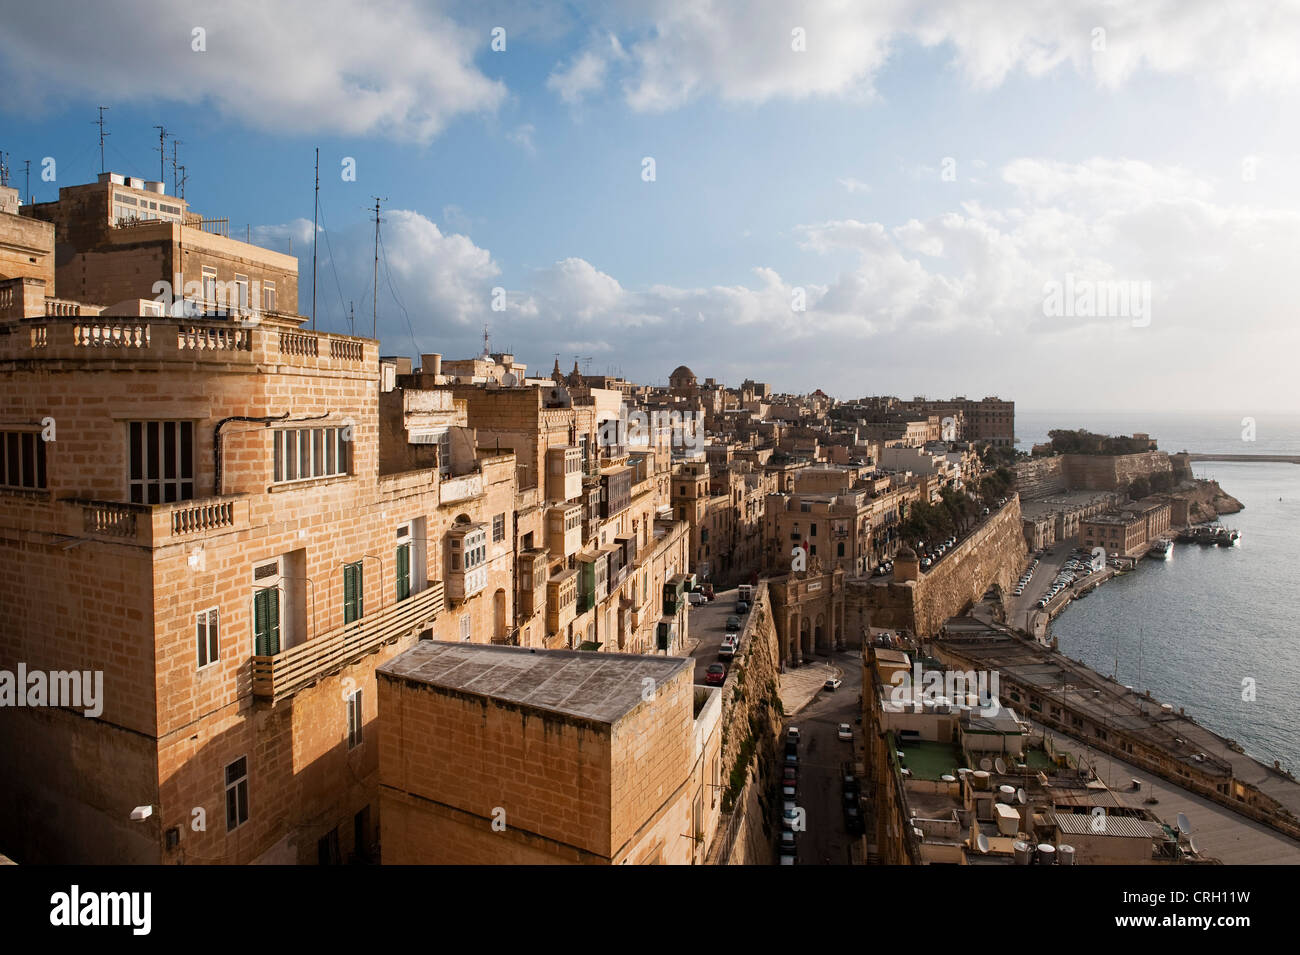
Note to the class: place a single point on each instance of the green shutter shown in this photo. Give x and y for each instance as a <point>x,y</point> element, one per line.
<point>403,571</point>
<point>352,592</point>
<point>266,621</point>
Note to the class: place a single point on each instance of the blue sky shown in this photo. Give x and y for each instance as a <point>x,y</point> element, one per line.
<point>778,172</point>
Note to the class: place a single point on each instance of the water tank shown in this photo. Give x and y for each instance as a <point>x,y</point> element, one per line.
<point>1021,851</point>
<point>1046,854</point>
<point>981,779</point>
<point>1166,708</point>
<point>1065,855</point>
<point>948,778</point>
<point>1006,793</point>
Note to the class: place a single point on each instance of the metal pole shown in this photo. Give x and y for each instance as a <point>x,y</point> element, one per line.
<point>314,211</point>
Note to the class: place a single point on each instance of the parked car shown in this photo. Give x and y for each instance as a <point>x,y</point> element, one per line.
<point>787,789</point>
<point>715,675</point>
<point>733,623</point>
<point>742,606</point>
<point>790,815</point>
<point>696,599</point>
<point>790,774</point>
<point>787,842</point>
<point>727,650</point>
<point>845,731</point>
<point>792,733</point>
<point>834,683</point>
<point>850,784</point>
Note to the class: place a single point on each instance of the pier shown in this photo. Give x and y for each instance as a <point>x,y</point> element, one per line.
<point>1250,458</point>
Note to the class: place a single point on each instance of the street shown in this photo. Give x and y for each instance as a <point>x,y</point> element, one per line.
<point>708,625</point>
<point>822,759</point>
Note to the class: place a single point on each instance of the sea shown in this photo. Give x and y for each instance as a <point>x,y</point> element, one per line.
<point>1214,630</point>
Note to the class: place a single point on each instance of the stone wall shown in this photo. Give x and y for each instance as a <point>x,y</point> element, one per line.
<point>751,723</point>
<point>1040,477</point>
<point>1112,472</point>
<point>994,554</point>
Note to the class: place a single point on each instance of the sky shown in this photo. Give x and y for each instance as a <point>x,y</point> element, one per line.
<point>1083,205</point>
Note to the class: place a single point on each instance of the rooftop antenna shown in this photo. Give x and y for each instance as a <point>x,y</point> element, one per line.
<point>315,210</point>
<point>352,319</point>
<point>375,310</point>
<point>102,134</point>
<point>27,167</point>
<point>180,189</point>
<point>162,152</point>
<point>4,170</point>
<point>176,183</point>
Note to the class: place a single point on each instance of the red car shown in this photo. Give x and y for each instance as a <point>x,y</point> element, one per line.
<point>715,675</point>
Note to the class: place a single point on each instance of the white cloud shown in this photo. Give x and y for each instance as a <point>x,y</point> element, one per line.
<point>740,50</point>
<point>394,68</point>
<point>854,185</point>
<point>586,72</point>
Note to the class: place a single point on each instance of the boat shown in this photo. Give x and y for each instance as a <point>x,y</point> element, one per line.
<point>1162,549</point>
<point>1226,538</point>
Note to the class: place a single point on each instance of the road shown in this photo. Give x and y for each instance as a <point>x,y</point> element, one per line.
<point>822,757</point>
<point>708,625</point>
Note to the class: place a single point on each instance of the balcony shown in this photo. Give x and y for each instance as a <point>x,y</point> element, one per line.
<point>154,525</point>
<point>281,675</point>
<point>69,333</point>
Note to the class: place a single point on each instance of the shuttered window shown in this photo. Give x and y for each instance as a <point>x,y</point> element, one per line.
<point>352,592</point>
<point>403,571</point>
<point>266,621</point>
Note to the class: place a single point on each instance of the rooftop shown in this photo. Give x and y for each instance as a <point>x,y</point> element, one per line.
<point>601,687</point>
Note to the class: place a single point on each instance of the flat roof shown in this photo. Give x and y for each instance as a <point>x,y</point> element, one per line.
<point>596,686</point>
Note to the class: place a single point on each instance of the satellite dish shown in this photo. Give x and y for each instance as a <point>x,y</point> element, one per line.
<point>986,764</point>
<point>1191,841</point>
<point>1000,766</point>
<point>982,842</point>
<point>1184,825</point>
<point>509,380</point>
<point>1021,797</point>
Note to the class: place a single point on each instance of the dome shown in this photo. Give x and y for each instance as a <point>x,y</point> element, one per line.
<point>682,371</point>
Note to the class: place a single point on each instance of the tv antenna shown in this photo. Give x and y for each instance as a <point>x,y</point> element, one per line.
<point>375,310</point>
<point>162,152</point>
<point>100,123</point>
<point>176,182</point>
<point>315,211</point>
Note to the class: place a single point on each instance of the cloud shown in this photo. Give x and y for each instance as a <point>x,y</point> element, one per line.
<point>743,50</point>
<point>854,185</point>
<point>952,302</point>
<point>585,73</point>
<point>395,68</point>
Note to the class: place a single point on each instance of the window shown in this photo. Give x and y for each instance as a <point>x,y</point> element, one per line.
<point>301,454</point>
<point>161,457</point>
<point>22,459</point>
<point>209,285</point>
<point>266,621</point>
<point>354,719</point>
<point>498,528</point>
<point>353,603</point>
<point>205,633</point>
<point>241,290</point>
<point>465,632</point>
<point>237,794</point>
<point>403,570</point>
<point>268,296</point>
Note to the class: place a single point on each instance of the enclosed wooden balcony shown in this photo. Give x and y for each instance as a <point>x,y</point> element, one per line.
<point>279,676</point>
